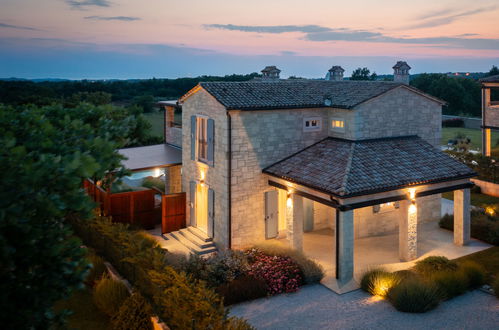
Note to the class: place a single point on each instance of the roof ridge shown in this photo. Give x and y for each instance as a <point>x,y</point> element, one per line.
<point>344,183</point>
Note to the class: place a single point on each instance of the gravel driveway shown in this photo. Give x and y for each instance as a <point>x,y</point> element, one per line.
<point>316,307</point>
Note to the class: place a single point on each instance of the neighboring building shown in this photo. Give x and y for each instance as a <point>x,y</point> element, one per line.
<point>401,72</point>
<point>490,111</point>
<point>280,158</point>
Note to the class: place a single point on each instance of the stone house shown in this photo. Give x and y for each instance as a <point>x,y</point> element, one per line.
<point>279,159</point>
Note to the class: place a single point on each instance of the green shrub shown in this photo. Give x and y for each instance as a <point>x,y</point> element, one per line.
<point>450,283</point>
<point>433,264</point>
<point>495,286</point>
<point>152,182</point>
<point>474,272</point>
<point>312,271</point>
<point>414,296</point>
<point>378,282</point>
<point>109,295</point>
<point>235,323</point>
<point>135,313</point>
<point>484,227</point>
<point>98,268</point>
<point>241,289</point>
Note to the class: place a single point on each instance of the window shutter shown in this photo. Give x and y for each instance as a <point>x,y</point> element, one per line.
<point>192,202</point>
<point>193,137</point>
<point>211,142</point>
<point>211,212</point>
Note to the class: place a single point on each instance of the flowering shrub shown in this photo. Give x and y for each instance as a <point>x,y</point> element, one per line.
<point>281,274</point>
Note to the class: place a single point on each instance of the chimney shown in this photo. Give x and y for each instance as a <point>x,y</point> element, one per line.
<point>270,73</point>
<point>401,72</point>
<point>335,73</point>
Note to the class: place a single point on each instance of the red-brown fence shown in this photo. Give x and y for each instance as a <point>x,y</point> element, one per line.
<point>138,207</point>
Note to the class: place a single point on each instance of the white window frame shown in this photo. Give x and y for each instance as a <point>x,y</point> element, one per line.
<point>337,128</point>
<point>202,141</point>
<point>311,120</point>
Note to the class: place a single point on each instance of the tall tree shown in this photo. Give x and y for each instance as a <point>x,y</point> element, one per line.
<point>363,74</point>
<point>45,155</point>
<point>493,71</point>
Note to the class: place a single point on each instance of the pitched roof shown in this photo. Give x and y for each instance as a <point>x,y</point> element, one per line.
<point>348,168</point>
<point>490,79</point>
<point>401,65</point>
<point>271,68</point>
<point>286,94</point>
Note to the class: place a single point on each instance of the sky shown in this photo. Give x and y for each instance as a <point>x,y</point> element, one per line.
<point>124,39</point>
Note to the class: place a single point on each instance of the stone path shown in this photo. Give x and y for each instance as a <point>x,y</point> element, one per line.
<point>316,307</point>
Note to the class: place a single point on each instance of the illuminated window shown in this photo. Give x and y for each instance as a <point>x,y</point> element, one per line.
<point>312,124</point>
<point>386,207</point>
<point>338,125</point>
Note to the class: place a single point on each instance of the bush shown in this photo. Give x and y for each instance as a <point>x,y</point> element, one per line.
<point>454,122</point>
<point>378,282</point>
<point>484,227</point>
<point>450,283</point>
<point>476,189</point>
<point>281,274</point>
<point>109,295</point>
<point>475,273</point>
<point>98,268</point>
<point>135,313</point>
<point>241,289</point>
<point>312,271</point>
<point>495,286</point>
<point>433,264</point>
<point>414,296</point>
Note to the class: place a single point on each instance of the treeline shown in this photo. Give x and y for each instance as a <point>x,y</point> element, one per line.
<point>70,93</point>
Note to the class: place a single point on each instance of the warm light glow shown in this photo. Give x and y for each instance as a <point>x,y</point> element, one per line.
<point>202,176</point>
<point>157,172</point>
<point>412,209</point>
<point>289,201</point>
<point>490,210</point>
<point>412,193</point>
<point>338,123</point>
<point>383,285</point>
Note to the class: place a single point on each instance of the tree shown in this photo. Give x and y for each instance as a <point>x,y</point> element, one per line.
<point>493,71</point>
<point>45,155</point>
<point>363,74</point>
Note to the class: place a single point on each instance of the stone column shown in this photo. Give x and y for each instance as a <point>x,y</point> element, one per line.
<point>462,216</point>
<point>345,237</point>
<point>486,141</point>
<point>408,231</point>
<point>294,221</point>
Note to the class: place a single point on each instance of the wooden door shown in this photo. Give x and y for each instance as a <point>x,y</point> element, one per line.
<point>271,214</point>
<point>173,212</point>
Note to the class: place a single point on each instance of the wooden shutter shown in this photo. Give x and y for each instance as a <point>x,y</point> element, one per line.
<point>211,141</point>
<point>193,137</point>
<point>192,202</point>
<point>211,212</point>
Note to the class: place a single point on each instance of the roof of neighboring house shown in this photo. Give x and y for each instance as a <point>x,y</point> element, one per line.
<point>271,68</point>
<point>288,94</point>
<point>346,168</point>
<point>490,79</point>
<point>401,65</point>
<point>159,155</point>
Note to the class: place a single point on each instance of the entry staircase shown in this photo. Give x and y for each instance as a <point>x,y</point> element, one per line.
<point>193,239</point>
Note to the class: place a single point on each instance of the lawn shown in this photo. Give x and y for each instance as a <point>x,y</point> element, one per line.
<point>475,135</point>
<point>156,119</point>
<point>488,258</point>
<point>476,199</point>
<point>85,315</point>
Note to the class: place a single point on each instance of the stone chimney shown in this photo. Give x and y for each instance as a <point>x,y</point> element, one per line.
<point>270,73</point>
<point>401,72</point>
<point>335,73</point>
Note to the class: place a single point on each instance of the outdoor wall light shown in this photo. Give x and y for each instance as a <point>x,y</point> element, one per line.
<point>202,177</point>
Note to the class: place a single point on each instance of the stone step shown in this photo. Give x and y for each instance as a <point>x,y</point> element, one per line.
<point>195,239</point>
<point>202,236</point>
<point>176,235</point>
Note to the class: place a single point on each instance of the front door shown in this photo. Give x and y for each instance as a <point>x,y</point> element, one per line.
<point>202,207</point>
<point>271,214</point>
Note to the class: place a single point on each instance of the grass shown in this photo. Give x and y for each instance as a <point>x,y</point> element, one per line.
<point>476,199</point>
<point>86,316</point>
<point>475,135</point>
<point>156,119</point>
<point>488,258</point>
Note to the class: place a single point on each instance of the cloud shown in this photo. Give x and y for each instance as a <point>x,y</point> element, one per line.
<point>439,18</point>
<point>288,53</point>
<point>114,18</point>
<point>268,28</point>
<point>18,27</point>
<point>82,4</point>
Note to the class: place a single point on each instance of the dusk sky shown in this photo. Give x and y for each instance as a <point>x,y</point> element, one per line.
<point>169,38</point>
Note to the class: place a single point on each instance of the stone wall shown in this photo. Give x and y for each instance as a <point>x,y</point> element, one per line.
<point>173,133</point>
<point>202,103</point>
<point>324,216</point>
<point>174,178</point>
<point>399,112</point>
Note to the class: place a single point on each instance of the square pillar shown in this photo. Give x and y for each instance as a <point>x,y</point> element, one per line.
<point>408,231</point>
<point>462,216</point>
<point>486,141</point>
<point>344,246</point>
<point>294,221</point>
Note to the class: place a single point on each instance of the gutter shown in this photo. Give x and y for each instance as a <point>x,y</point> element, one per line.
<point>229,180</point>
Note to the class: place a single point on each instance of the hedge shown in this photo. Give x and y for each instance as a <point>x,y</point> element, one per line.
<point>483,226</point>
<point>486,167</point>
<point>179,300</point>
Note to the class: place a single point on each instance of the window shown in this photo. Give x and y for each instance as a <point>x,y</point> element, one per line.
<point>312,124</point>
<point>202,138</point>
<point>386,207</point>
<point>338,125</point>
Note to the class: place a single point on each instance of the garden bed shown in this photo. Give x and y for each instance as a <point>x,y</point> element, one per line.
<point>484,225</point>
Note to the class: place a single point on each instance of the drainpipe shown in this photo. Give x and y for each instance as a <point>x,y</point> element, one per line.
<point>229,179</point>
